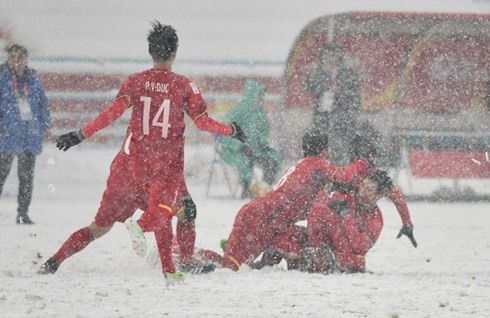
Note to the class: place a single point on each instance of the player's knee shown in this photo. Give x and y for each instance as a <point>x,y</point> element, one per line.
<point>98,231</point>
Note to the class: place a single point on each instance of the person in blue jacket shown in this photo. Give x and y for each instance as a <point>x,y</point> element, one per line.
<point>24,120</point>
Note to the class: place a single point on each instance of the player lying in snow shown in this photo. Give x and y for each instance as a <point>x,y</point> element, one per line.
<point>342,228</point>
<point>259,222</point>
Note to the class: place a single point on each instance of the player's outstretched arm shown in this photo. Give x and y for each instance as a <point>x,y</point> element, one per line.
<point>205,123</point>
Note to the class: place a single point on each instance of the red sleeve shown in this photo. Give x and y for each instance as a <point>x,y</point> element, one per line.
<point>397,198</point>
<point>353,173</point>
<point>362,241</point>
<point>203,122</point>
<point>107,117</point>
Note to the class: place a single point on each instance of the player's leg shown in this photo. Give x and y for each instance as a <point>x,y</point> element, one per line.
<point>244,243</point>
<point>322,228</point>
<point>186,227</point>
<point>288,245</point>
<point>186,238</point>
<point>162,195</point>
<point>118,203</point>
<point>74,244</point>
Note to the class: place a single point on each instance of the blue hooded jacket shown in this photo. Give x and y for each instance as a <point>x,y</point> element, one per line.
<point>17,135</point>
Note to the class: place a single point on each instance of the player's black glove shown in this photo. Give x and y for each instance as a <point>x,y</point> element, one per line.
<point>340,207</point>
<point>190,210</point>
<point>66,141</point>
<point>237,132</point>
<point>408,231</point>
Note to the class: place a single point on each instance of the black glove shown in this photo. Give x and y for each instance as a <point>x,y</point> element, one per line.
<point>190,210</point>
<point>66,141</point>
<point>408,231</point>
<point>340,207</point>
<point>237,132</point>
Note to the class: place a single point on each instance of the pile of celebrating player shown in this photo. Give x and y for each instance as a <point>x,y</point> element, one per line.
<point>338,203</point>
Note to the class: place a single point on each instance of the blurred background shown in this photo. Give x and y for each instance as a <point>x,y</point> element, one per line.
<point>423,70</point>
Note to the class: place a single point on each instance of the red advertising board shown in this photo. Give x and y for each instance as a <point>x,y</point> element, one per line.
<point>440,64</point>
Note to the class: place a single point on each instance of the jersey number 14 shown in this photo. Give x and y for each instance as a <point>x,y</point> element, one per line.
<point>161,118</point>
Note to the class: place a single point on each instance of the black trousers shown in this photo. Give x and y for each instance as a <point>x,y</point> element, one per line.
<point>25,170</point>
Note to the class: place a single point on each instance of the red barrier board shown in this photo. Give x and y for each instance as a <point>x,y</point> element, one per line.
<point>445,164</point>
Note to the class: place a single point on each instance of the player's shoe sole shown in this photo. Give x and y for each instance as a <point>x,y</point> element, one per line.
<point>138,238</point>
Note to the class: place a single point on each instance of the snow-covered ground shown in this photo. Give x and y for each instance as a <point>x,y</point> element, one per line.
<point>446,276</point>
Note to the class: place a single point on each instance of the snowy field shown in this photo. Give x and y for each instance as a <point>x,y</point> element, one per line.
<point>446,276</point>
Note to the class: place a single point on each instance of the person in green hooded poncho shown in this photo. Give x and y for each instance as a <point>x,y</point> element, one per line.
<point>249,113</point>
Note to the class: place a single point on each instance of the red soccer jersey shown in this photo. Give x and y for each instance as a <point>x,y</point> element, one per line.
<point>295,192</point>
<point>350,237</point>
<point>160,99</point>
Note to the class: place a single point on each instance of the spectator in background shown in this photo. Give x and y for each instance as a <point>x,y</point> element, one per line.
<point>337,94</point>
<point>249,113</point>
<point>24,120</point>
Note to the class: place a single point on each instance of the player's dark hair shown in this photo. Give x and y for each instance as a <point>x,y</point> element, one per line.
<point>162,41</point>
<point>16,48</point>
<point>314,142</point>
<point>384,184</point>
<point>361,148</point>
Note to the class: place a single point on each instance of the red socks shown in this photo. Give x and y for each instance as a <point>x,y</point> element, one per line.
<point>74,244</point>
<point>186,237</point>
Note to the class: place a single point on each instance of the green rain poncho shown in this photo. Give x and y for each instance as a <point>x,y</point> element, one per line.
<point>251,117</point>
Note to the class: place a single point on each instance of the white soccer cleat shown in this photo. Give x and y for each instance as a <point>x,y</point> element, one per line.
<point>138,238</point>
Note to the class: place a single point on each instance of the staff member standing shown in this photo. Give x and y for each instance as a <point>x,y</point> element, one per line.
<point>24,119</point>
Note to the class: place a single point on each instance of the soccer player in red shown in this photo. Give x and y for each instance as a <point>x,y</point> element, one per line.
<point>346,225</point>
<point>259,222</point>
<point>342,227</point>
<point>159,99</point>
<point>120,201</point>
